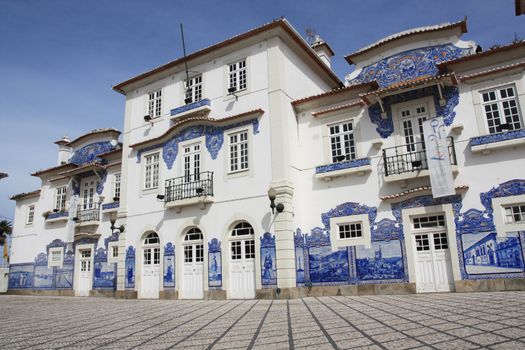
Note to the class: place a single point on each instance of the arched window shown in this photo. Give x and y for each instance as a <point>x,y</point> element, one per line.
<point>242,229</point>
<point>193,234</point>
<point>152,238</point>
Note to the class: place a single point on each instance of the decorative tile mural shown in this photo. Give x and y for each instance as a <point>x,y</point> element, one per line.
<point>300,258</point>
<point>214,264</point>
<point>89,153</point>
<point>214,139</point>
<point>383,261</point>
<point>409,65</point>
<point>169,266</point>
<point>487,253</point>
<point>130,268</point>
<point>104,273</point>
<point>43,276</point>
<point>268,260</point>
<point>21,276</point>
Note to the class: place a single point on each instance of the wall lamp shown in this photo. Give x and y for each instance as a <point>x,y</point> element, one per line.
<point>272,194</point>
<point>231,91</point>
<point>113,219</point>
<point>160,197</point>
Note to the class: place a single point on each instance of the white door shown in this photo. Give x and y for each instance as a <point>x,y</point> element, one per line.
<point>433,266</point>
<point>85,277</point>
<point>193,265</point>
<point>412,134</point>
<point>242,263</point>
<point>150,284</point>
<point>192,283</point>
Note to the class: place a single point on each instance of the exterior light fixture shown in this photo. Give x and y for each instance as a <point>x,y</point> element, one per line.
<point>502,127</point>
<point>160,197</point>
<point>231,91</point>
<point>113,219</point>
<point>199,191</point>
<point>188,100</point>
<point>147,118</point>
<point>116,199</point>
<point>272,194</point>
<point>416,164</point>
<point>340,158</point>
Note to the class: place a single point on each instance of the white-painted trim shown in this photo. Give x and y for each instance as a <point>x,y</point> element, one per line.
<point>50,261</point>
<point>350,242</point>
<point>503,228</point>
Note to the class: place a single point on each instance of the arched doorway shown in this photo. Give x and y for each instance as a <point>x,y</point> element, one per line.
<point>193,265</point>
<point>150,267</point>
<point>242,262</point>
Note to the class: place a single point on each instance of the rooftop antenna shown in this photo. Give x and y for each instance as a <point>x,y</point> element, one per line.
<point>310,34</point>
<point>187,99</point>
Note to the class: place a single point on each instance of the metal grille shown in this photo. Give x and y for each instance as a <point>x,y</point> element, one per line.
<point>397,160</point>
<point>190,186</point>
<point>90,214</point>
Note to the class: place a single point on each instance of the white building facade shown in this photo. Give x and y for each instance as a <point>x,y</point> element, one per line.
<point>259,174</point>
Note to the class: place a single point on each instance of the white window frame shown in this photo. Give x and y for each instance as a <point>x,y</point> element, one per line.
<point>154,105</point>
<point>145,170</point>
<point>499,204</point>
<point>355,223</point>
<point>499,102</point>
<point>338,242</point>
<point>51,262</point>
<point>195,88</point>
<point>238,145</point>
<point>238,72</point>
<point>30,215</point>
<point>111,247</point>
<point>62,197</point>
<point>340,135</point>
<point>117,177</point>
<point>201,141</point>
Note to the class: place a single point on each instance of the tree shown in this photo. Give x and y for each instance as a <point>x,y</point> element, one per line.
<point>5,229</point>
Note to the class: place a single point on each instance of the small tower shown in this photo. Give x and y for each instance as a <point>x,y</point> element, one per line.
<point>64,151</point>
<point>323,50</point>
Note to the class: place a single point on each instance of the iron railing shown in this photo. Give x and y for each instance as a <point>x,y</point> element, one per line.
<point>87,212</point>
<point>411,157</point>
<point>189,186</point>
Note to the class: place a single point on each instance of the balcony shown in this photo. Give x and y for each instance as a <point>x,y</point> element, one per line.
<point>189,190</point>
<point>410,161</point>
<point>87,214</point>
<point>195,109</point>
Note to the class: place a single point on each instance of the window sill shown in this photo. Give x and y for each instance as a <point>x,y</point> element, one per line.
<point>195,109</point>
<point>356,166</point>
<point>485,144</point>
<point>179,204</point>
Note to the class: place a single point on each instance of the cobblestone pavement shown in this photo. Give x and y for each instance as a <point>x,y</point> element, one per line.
<point>432,321</point>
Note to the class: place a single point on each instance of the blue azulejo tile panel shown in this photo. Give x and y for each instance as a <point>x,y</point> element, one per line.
<point>169,266</point>
<point>21,276</point>
<point>328,266</point>
<point>89,153</point>
<point>488,253</point>
<point>190,106</point>
<point>130,268</point>
<point>300,265</point>
<point>409,65</point>
<point>502,136</point>
<point>43,277</point>
<point>383,261</point>
<point>268,260</point>
<point>354,163</point>
<point>60,214</point>
<point>214,264</point>
<point>112,205</point>
<point>104,275</point>
<point>64,277</point>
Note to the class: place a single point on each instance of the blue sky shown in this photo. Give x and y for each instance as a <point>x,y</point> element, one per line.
<point>59,58</point>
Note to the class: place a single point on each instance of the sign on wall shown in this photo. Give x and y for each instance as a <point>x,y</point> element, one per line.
<point>438,158</point>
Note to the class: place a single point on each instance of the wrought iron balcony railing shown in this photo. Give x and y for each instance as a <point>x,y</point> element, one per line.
<point>87,212</point>
<point>189,186</point>
<point>411,157</point>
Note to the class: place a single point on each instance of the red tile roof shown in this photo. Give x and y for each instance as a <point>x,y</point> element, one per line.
<point>372,85</point>
<point>24,195</point>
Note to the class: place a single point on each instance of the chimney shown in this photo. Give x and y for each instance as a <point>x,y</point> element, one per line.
<point>323,50</point>
<point>64,151</point>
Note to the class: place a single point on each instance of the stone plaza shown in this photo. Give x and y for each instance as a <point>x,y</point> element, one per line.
<point>425,321</point>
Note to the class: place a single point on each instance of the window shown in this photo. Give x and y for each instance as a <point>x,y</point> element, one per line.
<point>55,257</point>
<point>113,253</point>
<point>116,188</point>
<point>155,104</point>
<point>194,89</point>
<point>353,230</point>
<point>515,214</point>
<point>237,75</point>
<point>429,221</point>
<point>152,238</point>
<point>60,198</point>
<point>342,142</point>
<point>239,151</point>
<point>151,171</point>
<point>422,243</point>
<point>30,214</point>
<point>192,162</point>
<point>501,109</point>
<point>440,241</point>
<point>242,229</point>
